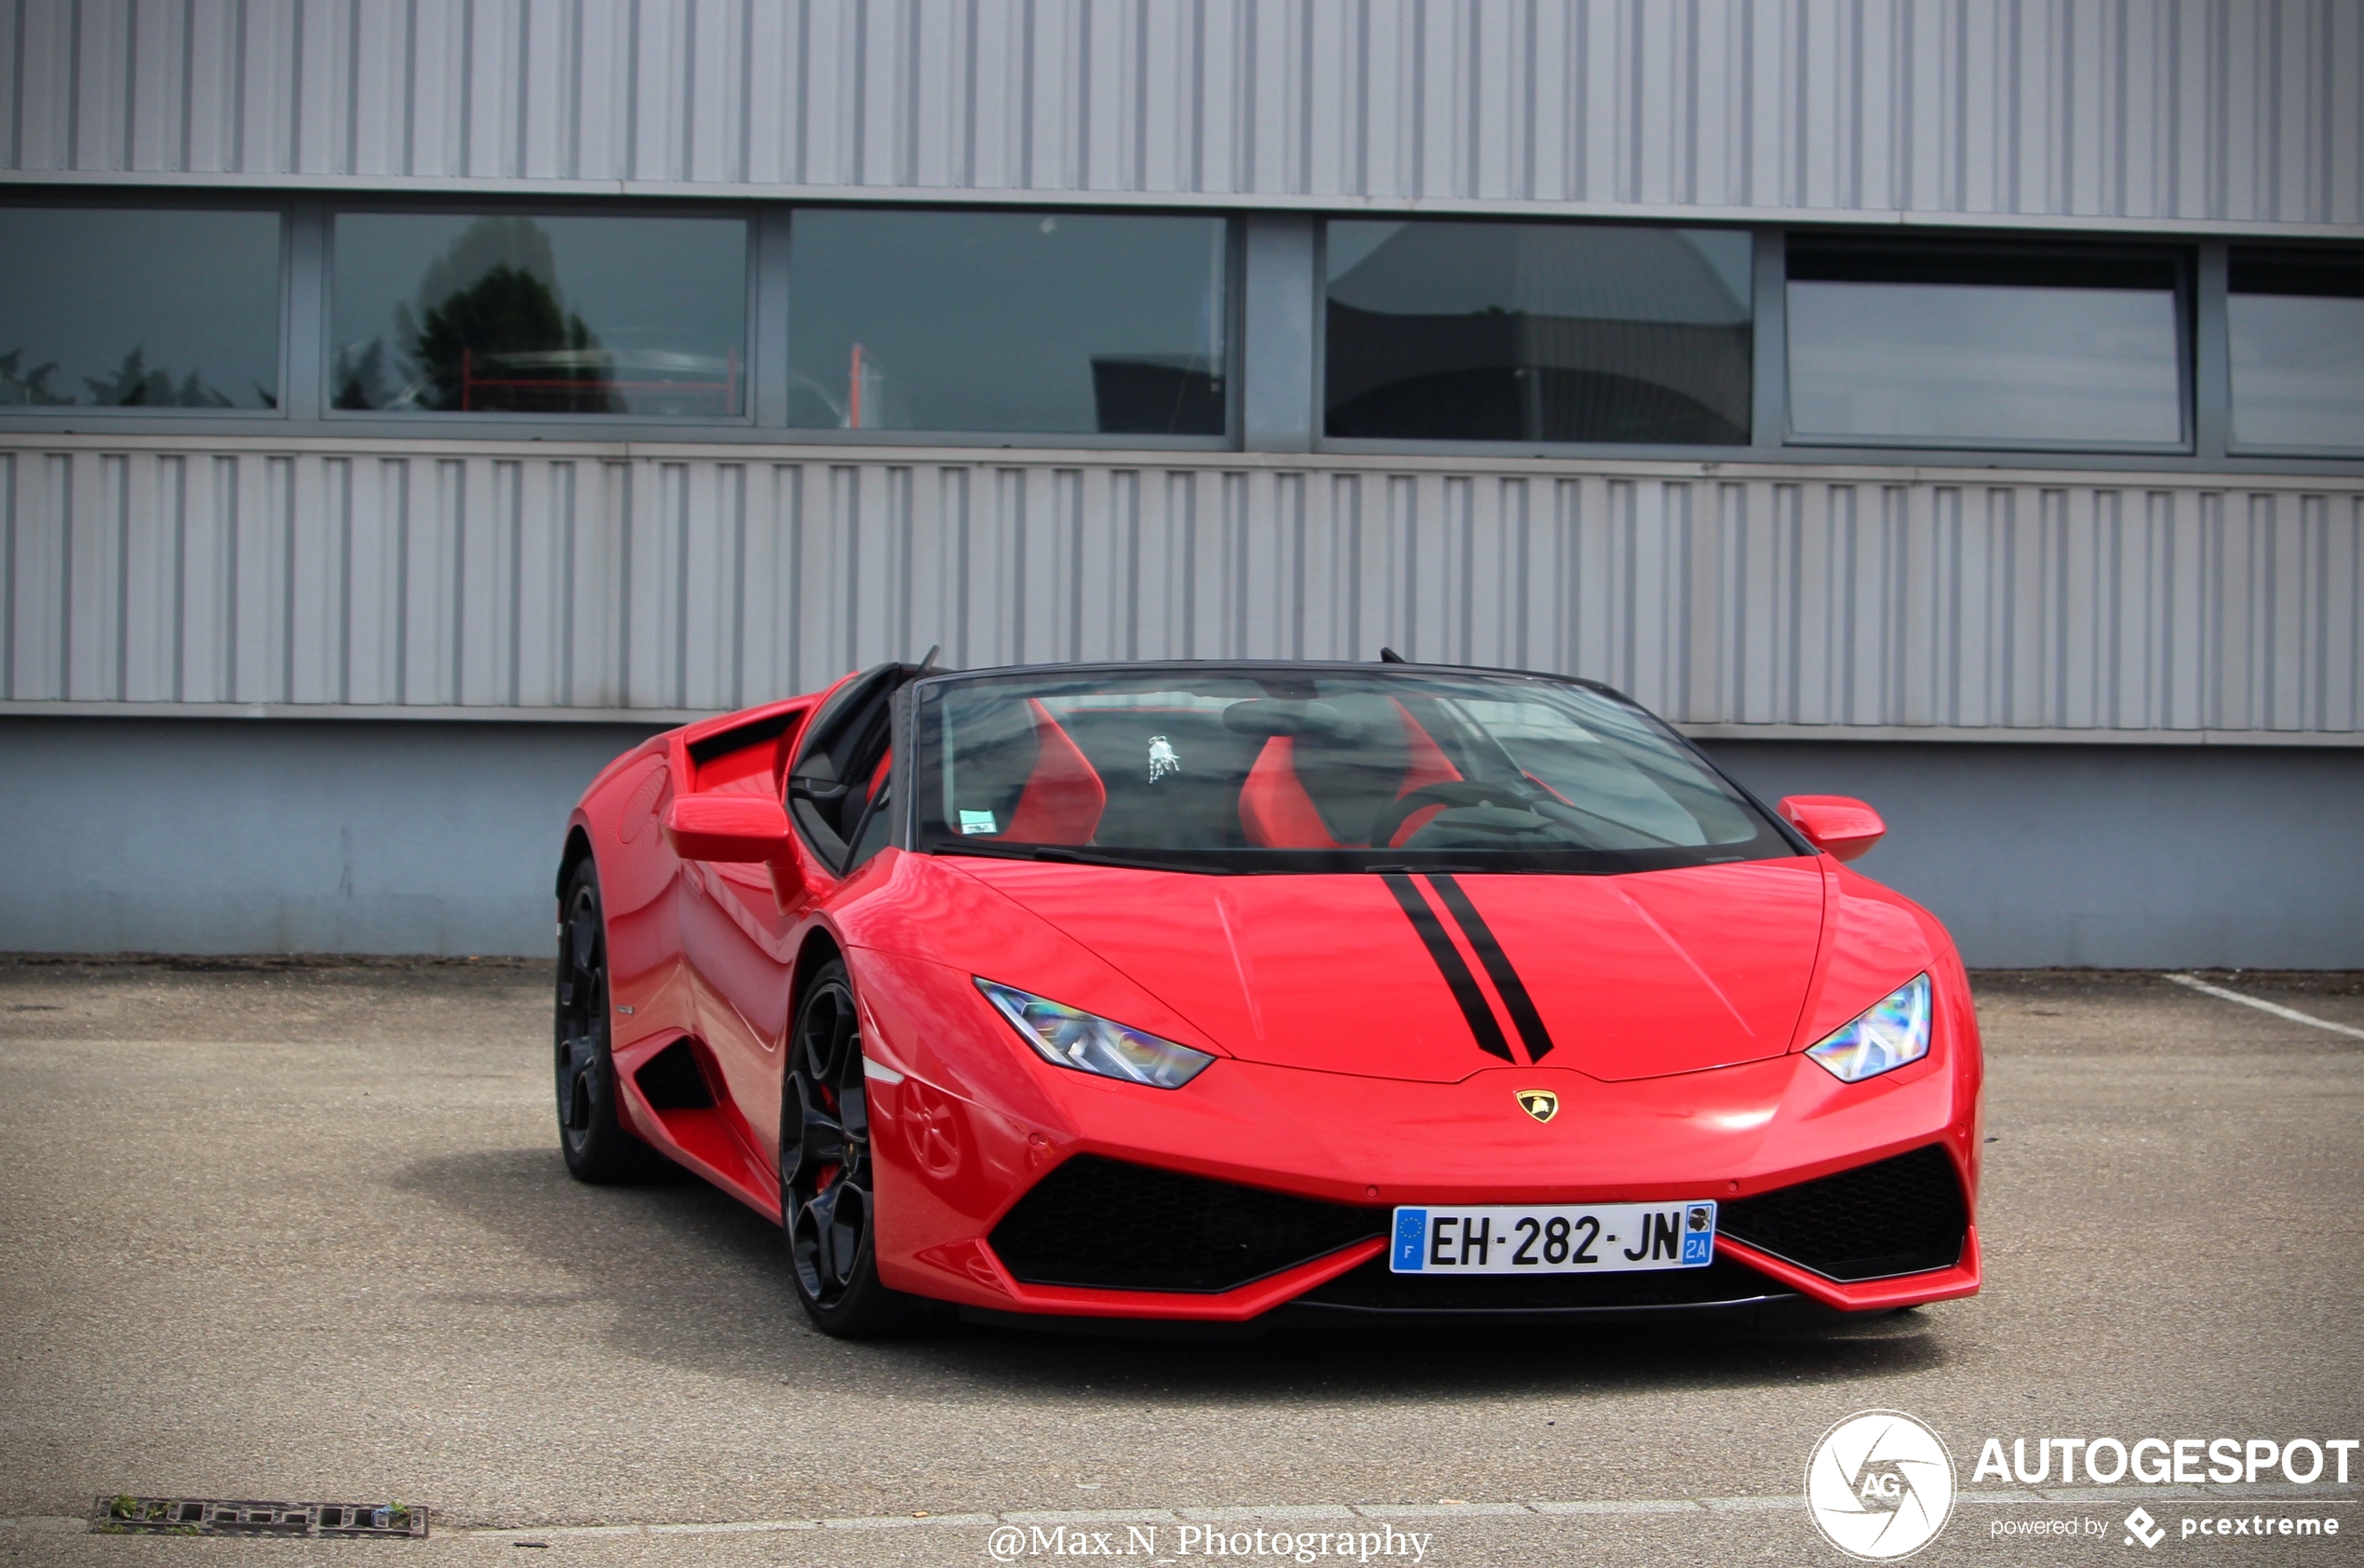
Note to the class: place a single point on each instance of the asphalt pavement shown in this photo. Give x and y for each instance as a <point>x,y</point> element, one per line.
<point>300,1231</point>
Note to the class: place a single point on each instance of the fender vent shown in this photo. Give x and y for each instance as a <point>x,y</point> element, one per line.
<point>1902,1215</point>
<point>671,1080</point>
<point>1105,1224</point>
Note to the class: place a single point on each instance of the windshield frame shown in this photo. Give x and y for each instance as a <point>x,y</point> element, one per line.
<point>1775,838</point>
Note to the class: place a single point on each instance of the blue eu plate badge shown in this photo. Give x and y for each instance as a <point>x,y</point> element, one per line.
<point>1411,1241</point>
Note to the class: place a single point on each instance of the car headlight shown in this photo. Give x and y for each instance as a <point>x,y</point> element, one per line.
<point>1890,1033</point>
<point>1069,1037</point>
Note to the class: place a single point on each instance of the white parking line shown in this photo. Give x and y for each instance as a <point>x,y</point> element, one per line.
<point>2276,1009</point>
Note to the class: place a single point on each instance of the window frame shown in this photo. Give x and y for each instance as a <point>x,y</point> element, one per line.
<point>1377,446</point>
<point>1234,323</point>
<point>2202,370</point>
<point>2183,311</point>
<point>51,417</point>
<point>307,273</point>
<point>744,213</point>
<point>2224,292</point>
<point>305,266</point>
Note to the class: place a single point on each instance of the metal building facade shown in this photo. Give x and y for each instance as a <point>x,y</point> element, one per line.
<point>166,569</point>
<point>473,578</point>
<point>2079,112</point>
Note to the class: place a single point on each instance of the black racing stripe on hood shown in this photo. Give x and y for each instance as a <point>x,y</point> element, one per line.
<point>1498,967</point>
<point>1458,978</point>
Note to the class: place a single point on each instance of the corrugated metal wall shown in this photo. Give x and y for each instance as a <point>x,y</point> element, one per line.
<point>2227,110</point>
<point>492,576</point>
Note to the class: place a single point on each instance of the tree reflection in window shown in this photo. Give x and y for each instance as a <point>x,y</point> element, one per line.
<point>138,307</point>
<point>490,332</point>
<point>27,386</point>
<point>134,385</point>
<point>131,384</point>
<point>539,314</point>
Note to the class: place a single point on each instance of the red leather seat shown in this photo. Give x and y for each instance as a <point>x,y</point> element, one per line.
<point>1278,811</point>
<point>1063,797</point>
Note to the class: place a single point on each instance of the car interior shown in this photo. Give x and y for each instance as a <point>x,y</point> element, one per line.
<point>1261,774</point>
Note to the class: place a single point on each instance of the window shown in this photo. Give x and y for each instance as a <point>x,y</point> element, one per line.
<point>1008,321</point>
<point>2297,325</point>
<point>143,307</point>
<point>1226,766</point>
<point>1984,345</point>
<point>512,314</point>
<point>1537,332</point>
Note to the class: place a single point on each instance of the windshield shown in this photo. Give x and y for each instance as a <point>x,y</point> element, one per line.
<point>1247,769</point>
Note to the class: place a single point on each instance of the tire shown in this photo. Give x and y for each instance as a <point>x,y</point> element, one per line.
<point>828,1206</point>
<point>597,1146</point>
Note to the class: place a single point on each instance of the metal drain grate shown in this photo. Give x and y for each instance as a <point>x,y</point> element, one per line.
<point>126,1515</point>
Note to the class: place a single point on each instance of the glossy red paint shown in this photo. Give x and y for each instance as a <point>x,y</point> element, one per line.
<point>1633,975</point>
<point>727,829</point>
<point>1677,1006</point>
<point>1839,825</point>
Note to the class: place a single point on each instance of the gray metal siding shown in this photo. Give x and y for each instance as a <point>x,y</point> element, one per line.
<point>228,836</point>
<point>2145,857</point>
<point>533,577</point>
<point>2227,111</point>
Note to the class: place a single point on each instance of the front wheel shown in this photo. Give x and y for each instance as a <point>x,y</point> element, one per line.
<point>597,1146</point>
<point>828,1205</point>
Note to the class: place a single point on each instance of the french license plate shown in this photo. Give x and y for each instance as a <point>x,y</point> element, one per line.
<point>1553,1239</point>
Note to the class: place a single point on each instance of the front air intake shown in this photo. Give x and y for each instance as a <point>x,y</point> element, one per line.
<point>1902,1215</point>
<point>1105,1224</point>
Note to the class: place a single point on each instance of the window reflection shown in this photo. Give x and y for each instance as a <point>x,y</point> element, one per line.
<point>1007,321</point>
<point>2297,322</point>
<point>139,308</point>
<point>1537,332</point>
<point>518,315</point>
<point>1997,345</point>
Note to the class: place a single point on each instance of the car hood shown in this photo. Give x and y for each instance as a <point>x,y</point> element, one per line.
<point>1420,977</point>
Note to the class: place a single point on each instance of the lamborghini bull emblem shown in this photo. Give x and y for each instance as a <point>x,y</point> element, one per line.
<point>1541,1104</point>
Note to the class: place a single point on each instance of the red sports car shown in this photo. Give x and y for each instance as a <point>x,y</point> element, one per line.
<point>1240,993</point>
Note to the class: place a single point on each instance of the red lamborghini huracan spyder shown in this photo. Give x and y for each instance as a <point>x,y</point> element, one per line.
<point>1243,993</point>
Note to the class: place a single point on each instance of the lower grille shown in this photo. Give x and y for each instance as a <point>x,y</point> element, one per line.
<point>1105,1224</point>
<point>1903,1215</point>
<point>1372,1288</point>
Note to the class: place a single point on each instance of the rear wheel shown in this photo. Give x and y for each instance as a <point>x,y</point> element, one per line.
<point>597,1146</point>
<point>827,1202</point>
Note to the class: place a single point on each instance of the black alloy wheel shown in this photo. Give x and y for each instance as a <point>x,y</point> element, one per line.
<point>597,1146</point>
<point>828,1206</point>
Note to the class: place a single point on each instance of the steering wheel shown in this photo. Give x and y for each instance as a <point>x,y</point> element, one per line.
<point>1453,792</point>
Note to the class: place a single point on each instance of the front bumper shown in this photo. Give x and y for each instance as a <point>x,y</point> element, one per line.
<point>955,1163</point>
<point>1107,1238</point>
